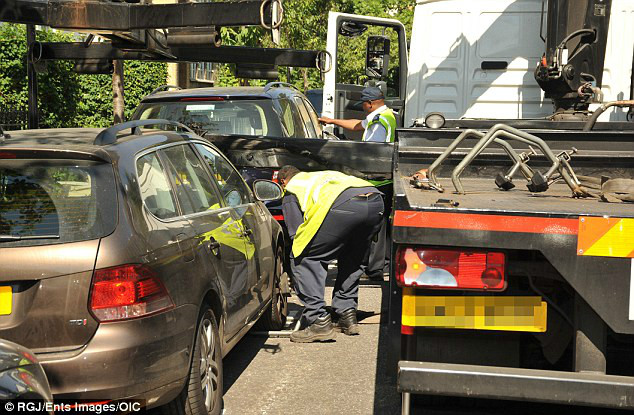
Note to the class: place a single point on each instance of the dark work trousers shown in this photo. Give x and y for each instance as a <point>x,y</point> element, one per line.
<point>380,249</point>
<point>344,235</point>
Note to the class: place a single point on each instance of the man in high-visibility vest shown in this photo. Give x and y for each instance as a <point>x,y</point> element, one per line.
<point>329,215</point>
<point>378,126</point>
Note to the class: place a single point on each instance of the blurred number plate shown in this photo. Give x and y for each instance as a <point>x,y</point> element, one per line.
<point>5,300</point>
<point>479,313</point>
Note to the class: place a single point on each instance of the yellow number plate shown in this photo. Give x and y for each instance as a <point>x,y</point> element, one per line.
<point>6,298</point>
<point>479,313</point>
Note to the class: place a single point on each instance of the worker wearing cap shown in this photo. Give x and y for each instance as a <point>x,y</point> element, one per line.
<point>329,215</point>
<point>378,126</point>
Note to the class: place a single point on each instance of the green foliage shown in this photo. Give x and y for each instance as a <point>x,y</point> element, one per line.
<point>305,26</point>
<point>68,99</point>
<point>65,98</point>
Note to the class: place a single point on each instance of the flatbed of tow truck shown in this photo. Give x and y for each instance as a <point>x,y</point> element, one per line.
<point>484,197</point>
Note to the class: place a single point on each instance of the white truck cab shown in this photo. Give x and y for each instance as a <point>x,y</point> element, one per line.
<point>468,59</point>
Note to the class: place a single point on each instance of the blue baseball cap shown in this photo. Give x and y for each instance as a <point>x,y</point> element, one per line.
<point>371,93</point>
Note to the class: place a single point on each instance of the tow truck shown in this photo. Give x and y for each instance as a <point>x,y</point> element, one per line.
<point>512,273</point>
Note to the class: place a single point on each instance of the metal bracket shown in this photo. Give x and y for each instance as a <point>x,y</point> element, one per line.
<point>538,181</point>
<point>527,172</point>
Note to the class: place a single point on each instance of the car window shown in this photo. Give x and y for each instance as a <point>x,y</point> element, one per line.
<point>313,117</point>
<point>155,189</point>
<point>193,187</point>
<point>232,187</point>
<point>48,201</point>
<point>308,124</point>
<point>241,117</point>
<point>291,118</point>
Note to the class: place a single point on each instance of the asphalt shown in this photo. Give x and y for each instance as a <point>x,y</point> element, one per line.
<point>271,375</point>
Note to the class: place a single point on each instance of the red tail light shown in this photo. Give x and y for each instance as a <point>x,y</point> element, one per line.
<point>274,177</point>
<point>127,291</point>
<point>446,269</point>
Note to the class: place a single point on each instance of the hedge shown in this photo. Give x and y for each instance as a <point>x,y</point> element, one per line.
<point>65,98</point>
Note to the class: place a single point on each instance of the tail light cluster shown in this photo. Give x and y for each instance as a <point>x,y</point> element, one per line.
<point>127,291</point>
<point>274,177</point>
<point>450,269</point>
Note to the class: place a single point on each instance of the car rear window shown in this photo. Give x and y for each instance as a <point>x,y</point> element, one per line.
<point>240,117</point>
<point>55,201</point>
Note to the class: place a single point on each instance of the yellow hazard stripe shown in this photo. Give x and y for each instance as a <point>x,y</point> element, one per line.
<point>608,237</point>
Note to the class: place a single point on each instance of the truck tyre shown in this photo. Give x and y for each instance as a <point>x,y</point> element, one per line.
<point>274,318</point>
<point>202,394</point>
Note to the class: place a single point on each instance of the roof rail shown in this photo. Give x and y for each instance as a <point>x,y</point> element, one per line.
<point>276,84</point>
<point>164,88</point>
<point>109,135</point>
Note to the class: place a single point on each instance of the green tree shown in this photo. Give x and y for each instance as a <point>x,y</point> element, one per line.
<point>65,98</point>
<point>305,27</point>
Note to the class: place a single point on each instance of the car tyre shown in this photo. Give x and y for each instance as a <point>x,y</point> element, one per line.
<point>202,394</point>
<point>274,318</point>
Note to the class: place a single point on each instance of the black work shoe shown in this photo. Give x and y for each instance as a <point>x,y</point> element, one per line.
<point>347,323</point>
<point>321,330</point>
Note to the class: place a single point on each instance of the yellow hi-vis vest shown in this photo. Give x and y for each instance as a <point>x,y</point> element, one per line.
<point>316,192</point>
<point>388,121</point>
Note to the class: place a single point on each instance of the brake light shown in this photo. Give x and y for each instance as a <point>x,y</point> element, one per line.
<point>274,177</point>
<point>127,291</point>
<point>448,269</point>
<point>203,99</point>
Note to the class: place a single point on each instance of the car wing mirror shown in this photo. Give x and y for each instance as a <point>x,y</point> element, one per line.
<point>266,190</point>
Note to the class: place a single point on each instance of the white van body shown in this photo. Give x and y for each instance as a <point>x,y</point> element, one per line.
<point>451,39</point>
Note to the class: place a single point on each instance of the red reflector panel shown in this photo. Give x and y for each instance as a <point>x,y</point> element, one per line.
<point>7,155</point>
<point>447,269</point>
<point>407,330</point>
<point>278,217</point>
<point>127,291</point>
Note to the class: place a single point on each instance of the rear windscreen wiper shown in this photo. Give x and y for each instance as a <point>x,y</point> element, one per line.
<point>10,238</point>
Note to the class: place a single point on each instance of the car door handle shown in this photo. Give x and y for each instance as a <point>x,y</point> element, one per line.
<point>213,246</point>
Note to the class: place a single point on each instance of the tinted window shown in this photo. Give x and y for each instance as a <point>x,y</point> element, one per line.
<point>290,119</point>
<point>234,190</point>
<point>55,201</point>
<point>155,188</point>
<point>193,187</point>
<point>308,124</point>
<point>314,118</point>
<point>243,117</point>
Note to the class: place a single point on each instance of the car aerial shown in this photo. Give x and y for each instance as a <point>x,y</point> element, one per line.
<point>21,375</point>
<point>131,263</point>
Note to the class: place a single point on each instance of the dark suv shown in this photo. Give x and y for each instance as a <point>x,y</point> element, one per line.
<point>275,110</point>
<point>132,263</point>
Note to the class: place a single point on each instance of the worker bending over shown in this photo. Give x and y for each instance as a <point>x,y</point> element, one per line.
<point>329,216</point>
